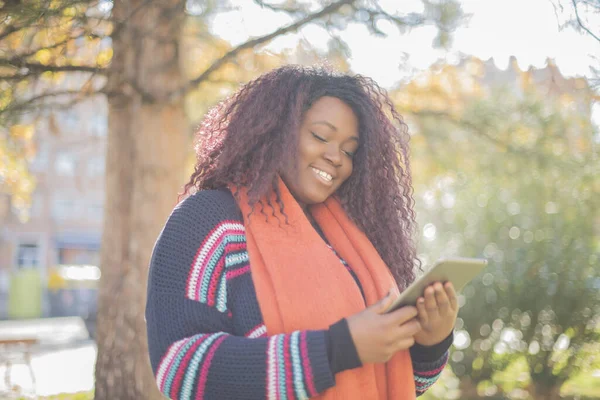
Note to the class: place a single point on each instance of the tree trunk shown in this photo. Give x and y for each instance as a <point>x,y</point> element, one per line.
<point>540,391</point>
<point>468,388</point>
<point>147,143</point>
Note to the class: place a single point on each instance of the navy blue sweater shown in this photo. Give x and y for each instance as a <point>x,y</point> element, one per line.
<point>206,335</point>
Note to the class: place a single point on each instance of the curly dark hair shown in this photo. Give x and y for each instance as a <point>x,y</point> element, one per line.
<point>248,138</point>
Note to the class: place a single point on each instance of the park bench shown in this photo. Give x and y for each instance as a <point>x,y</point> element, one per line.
<point>19,339</point>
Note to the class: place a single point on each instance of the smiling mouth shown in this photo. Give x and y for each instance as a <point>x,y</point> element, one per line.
<point>323,176</point>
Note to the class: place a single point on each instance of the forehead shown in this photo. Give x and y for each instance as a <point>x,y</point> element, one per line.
<point>330,106</point>
<point>335,112</point>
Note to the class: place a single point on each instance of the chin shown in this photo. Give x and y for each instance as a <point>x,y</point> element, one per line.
<point>317,198</point>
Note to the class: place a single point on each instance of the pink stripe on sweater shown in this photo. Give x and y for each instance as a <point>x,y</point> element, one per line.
<point>231,247</point>
<point>178,346</point>
<point>203,269</point>
<point>206,367</point>
<point>237,272</point>
<point>306,364</point>
<point>198,251</point>
<point>431,372</point>
<point>180,374</point>
<point>213,286</point>
<point>252,333</point>
<point>289,384</point>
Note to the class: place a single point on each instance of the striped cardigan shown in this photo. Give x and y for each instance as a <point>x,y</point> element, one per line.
<point>206,335</point>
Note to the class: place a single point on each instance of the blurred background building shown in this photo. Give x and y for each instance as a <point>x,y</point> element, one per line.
<point>49,260</point>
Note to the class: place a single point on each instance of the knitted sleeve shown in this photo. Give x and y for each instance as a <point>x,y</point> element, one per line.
<point>429,362</point>
<point>205,333</point>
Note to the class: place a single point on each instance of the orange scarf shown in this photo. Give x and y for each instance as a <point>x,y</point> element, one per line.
<point>302,285</point>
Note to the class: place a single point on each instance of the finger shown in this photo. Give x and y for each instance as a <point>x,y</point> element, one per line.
<point>409,328</point>
<point>422,311</point>
<point>401,315</point>
<point>404,344</point>
<point>406,331</point>
<point>452,296</point>
<point>441,298</point>
<point>430,302</point>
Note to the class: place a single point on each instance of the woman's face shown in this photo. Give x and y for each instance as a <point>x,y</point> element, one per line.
<point>328,139</point>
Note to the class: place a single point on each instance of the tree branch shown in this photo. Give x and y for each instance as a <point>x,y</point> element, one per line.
<point>253,43</point>
<point>477,130</point>
<point>58,44</point>
<point>470,126</point>
<point>581,23</point>
<point>10,30</point>
<point>32,100</point>
<point>37,67</point>
<point>280,8</point>
<point>35,14</point>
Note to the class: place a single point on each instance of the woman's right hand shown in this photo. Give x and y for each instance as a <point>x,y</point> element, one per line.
<point>378,336</point>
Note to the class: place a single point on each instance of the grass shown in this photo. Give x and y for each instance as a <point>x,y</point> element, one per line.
<point>582,386</point>
<point>68,396</point>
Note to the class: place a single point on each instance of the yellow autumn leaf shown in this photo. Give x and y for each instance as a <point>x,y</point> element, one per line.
<point>104,57</point>
<point>22,132</point>
<point>44,56</point>
<point>70,12</point>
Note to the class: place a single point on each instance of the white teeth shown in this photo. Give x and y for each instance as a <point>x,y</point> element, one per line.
<point>323,174</point>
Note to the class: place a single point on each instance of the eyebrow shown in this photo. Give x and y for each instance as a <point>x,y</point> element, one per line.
<point>330,125</point>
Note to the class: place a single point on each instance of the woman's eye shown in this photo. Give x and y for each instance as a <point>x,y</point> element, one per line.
<point>349,153</point>
<point>319,137</point>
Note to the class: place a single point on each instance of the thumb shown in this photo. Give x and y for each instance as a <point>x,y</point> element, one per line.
<point>382,305</point>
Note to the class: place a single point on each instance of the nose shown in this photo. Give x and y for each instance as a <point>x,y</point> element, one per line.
<point>333,155</point>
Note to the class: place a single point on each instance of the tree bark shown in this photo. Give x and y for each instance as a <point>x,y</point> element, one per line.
<point>540,391</point>
<point>147,143</point>
<point>468,388</point>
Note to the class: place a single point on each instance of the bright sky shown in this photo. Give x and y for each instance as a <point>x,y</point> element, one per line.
<point>499,28</point>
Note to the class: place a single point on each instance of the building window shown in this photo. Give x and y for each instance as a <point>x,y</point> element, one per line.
<point>78,256</point>
<point>40,160</point>
<point>99,125</point>
<point>64,208</point>
<point>37,204</point>
<point>28,256</point>
<point>71,120</point>
<point>65,164</point>
<point>95,167</point>
<point>96,211</point>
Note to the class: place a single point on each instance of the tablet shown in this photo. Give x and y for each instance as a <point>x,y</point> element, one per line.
<point>459,271</point>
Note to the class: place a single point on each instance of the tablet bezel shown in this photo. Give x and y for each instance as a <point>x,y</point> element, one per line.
<point>458,270</point>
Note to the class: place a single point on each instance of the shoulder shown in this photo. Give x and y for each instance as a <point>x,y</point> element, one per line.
<point>197,215</point>
<point>195,220</point>
<point>194,229</point>
<point>211,204</point>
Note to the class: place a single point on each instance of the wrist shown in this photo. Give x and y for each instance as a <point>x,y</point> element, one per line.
<point>432,352</point>
<point>341,349</point>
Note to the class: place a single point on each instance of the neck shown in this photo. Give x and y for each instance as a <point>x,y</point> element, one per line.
<point>314,224</point>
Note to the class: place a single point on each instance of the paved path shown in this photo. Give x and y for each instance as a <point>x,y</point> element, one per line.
<point>56,370</point>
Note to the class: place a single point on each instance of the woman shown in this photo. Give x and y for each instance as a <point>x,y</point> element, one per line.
<point>269,280</point>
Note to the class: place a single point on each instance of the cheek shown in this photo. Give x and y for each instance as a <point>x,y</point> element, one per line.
<point>346,171</point>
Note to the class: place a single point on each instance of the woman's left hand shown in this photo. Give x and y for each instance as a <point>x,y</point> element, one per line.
<point>437,310</point>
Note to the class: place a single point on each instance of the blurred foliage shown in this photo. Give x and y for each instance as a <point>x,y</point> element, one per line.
<point>40,43</point>
<point>16,149</point>
<point>509,170</point>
